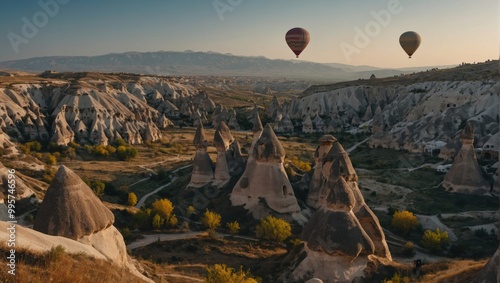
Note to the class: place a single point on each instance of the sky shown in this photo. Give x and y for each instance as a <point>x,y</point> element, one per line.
<point>355,32</point>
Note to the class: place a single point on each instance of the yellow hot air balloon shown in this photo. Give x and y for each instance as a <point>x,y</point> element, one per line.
<point>410,41</point>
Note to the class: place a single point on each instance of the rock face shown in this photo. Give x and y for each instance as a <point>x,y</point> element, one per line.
<point>6,145</point>
<point>491,271</point>
<point>4,213</point>
<point>402,116</point>
<point>236,163</point>
<point>264,186</point>
<point>222,140</point>
<point>70,209</point>
<point>203,171</point>
<point>465,175</point>
<point>496,185</point>
<point>98,108</point>
<point>22,190</point>
<point>256,130</point>
<point>343,235</point>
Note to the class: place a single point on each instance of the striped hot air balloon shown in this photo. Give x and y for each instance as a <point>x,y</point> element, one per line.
<point>297,39</point>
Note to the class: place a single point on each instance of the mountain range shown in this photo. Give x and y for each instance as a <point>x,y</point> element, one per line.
<point>203,63</point>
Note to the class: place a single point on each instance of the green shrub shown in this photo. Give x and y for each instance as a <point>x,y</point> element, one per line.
<point>98,187</point>
<point>126,152</point>
<point>409,249</point>
<point>120,142</point>
<point>55,254</point>
<point>50,159</point>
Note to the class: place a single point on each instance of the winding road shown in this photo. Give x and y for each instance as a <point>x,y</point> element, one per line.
<point>145,197</point>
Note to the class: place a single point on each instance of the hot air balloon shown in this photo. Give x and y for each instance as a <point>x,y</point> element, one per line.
<point>297,39</point>
<point>410,41</point>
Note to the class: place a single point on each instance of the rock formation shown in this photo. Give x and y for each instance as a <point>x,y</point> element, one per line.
<point>4,212</point>
<point>465,175</point>
<point>222,141</point>
<point>317,179</point>
<point>496,184</point>
<point>256,130</point>
<point>6,145</point>
<point>22,190</point>
<point>203,171</point>
<point>70,209</point>
<point>337,159</point>
<point>232,121</point>
<point>91,110</point>
<point>491,271</point>
<point>264,186</point>
<point>337,243</point>
<point>236,163</point>
<point>401,116</point>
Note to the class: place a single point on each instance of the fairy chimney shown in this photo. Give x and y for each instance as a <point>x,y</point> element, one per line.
<point>222,141</point>
<point>325,144</point>
<point>264,186</point>
<point>202,166</point>
<point>71,209</point>
<point>465,175</point>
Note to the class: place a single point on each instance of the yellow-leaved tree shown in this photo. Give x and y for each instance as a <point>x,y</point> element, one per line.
<point>404,221</point>
<point>220,273</point>
<point>274,229</point>
<point>132,199</point>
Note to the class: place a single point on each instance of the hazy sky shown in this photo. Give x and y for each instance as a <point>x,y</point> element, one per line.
<point>357,32</point>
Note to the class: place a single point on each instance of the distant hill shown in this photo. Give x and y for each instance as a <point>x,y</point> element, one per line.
<point>200,63</point>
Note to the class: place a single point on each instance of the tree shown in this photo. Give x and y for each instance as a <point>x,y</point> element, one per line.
<point>98,188</point>
<point>132,199</point>
<point>434,240</point>
<point>233,227</point>
<point>50,159</point>
<point>220,273</point>
<point>211,220</point>
<point>158,221</point>
<point>71,153</point>
<point>34,145</point>
<point>100,150</point>
<point>126,152</point>
<point>120,142</point>
<point>190,210</point>
<point>274,229</point>
<point>172,221</point>
<point>405,221</point>
<point>163,207</point>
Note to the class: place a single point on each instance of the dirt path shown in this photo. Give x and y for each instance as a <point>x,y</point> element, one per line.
<point>151,238</point>
<point>192,279</point>
<point>356,145</point>
<point>145,197</point>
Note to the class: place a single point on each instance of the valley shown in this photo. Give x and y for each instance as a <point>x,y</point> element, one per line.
<point>360,151</point>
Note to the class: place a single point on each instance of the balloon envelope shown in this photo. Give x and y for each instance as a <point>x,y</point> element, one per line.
<point>410,41</point>
<point>297,39</point>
